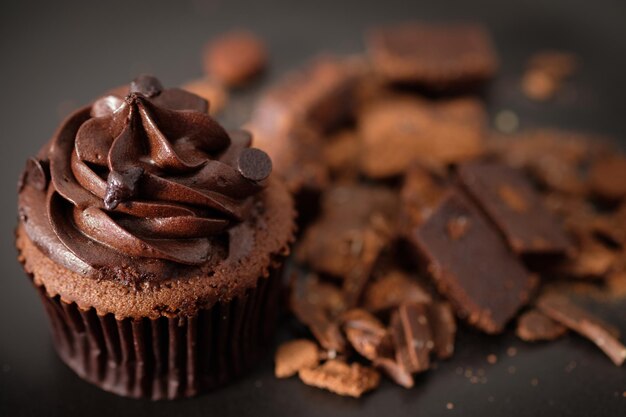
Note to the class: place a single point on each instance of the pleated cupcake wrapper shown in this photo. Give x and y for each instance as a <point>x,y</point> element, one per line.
<point>166,358</point>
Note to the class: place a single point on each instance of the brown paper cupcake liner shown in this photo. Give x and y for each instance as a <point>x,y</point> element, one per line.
<point>166,358</point>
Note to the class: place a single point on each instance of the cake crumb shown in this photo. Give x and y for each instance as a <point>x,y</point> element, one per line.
<point>450,406</point>
<point>492,359</point>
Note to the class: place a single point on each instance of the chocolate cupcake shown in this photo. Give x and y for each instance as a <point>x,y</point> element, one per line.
<point>155,239</point>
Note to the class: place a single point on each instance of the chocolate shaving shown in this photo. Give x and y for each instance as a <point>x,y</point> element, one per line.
<point>559,308</point>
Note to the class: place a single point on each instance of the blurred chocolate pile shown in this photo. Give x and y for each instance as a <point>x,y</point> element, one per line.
<point>415,215</point>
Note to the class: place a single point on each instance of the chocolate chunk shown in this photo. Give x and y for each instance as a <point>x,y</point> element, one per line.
<point>398,131</point>
<point>36,174</point>
<point>561,309</point>
<point>485,283</point>
<point>443,326</point>
<point>254,164</point>
<point>512,203</point>
<point>235,58</point>
<point>337,376</point>
<point>608,177</point>
<point>212,91</point>
<point>417,335</point>
<point>354,227</point>
<point>534,326</point>
<point>591,259</point>
<point>340,151</point>
<point>295,355</point>
<point>317,305</point>
<point>121,186</point>
<point>145,84</point>
<point>321,96</point>
<point>393,289</point>
<point>394,371</point>
<point>546,72</point>
<point>421,194</point>
<point>106,106</point>
<point>556,159</point>
<point>433,55</point>
<point>366,334</point>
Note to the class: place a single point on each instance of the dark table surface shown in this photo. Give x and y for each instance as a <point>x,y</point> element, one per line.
<point>58,55</point>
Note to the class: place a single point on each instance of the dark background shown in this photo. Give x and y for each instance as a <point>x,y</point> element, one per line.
<point>57,55</point>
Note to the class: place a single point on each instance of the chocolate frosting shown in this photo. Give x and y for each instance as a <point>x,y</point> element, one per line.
<point>150,177</point>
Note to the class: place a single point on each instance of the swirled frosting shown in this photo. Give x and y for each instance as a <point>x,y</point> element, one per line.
<point>151,177</point>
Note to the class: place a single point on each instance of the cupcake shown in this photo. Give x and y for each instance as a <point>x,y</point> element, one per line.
<point>155,240</point>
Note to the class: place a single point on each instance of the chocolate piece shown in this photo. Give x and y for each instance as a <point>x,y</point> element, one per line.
<point>317,305</point>
<point>591,259</point>
<point>556,159</point>
<point>398,131</point>
<point>393,289</point>
<point>608,177</point>
<point>433,55</point>
<point>235,58</point>
<point>354,227</point>
<point>443,326</point>
<point>546,72</point>
<point>366,334</point>
<point>254,164</point>
<point>340,154</point>
<point>212,91</point>
<point>514,206</point>
<point>337,376</point>
<point>572,316</point>
<point>321,96</point>
<point>396,372</point>
<point>484,282</point>
<point>421,194</point>
<point>295,355</point>
<point>417,335</point>
<point>534,326</point>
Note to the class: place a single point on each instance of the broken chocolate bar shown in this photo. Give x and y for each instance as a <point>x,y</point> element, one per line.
<point>317,305</point>
<point>417,333</point>
<point>534,326</point>
<point>393,289</point>
<point>367,335</point>
<point>398,131</point>
<point>559,308</point>
<point>337,376</point>
<point>443,326</point>
<point>512,203</point>
<point>485,283</point>
<point>433,55</point>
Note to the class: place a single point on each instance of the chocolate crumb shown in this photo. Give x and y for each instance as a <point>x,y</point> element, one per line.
<point>341,378</point>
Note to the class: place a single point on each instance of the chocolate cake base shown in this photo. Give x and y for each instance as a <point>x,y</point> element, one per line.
<point>167,357</point>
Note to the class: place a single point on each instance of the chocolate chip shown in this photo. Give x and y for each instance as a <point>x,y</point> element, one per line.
<point>254,164</point>
<point>145,84</point>
<point>121,186</point>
